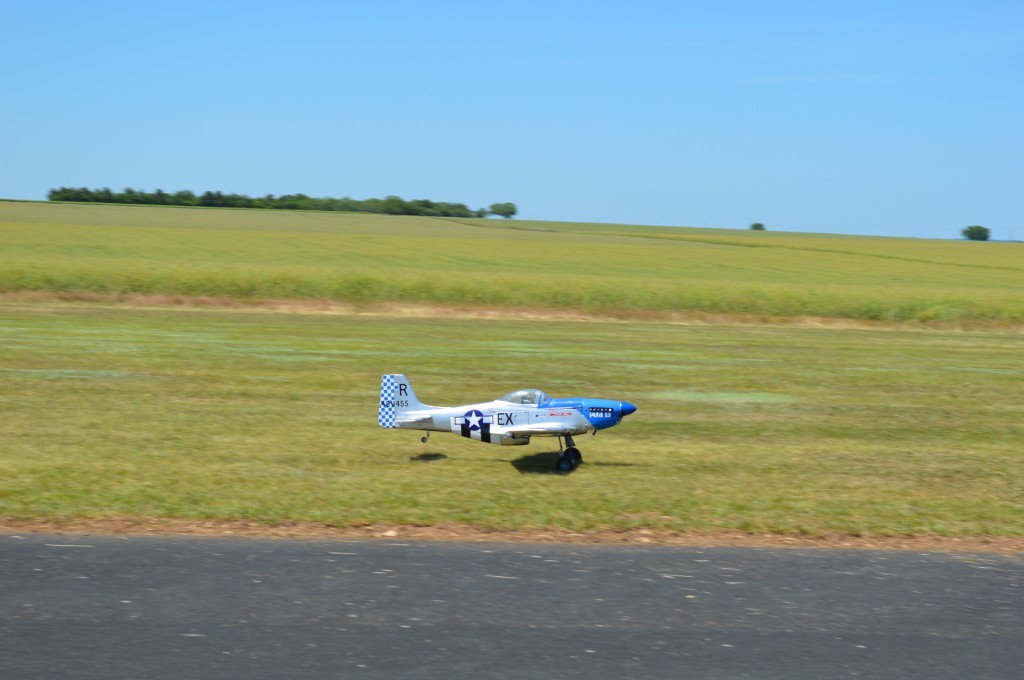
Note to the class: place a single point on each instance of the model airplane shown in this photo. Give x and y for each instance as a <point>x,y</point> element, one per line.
<point>509,420</point>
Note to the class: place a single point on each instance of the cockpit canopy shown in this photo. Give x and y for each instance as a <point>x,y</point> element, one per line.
<point>528,397</point>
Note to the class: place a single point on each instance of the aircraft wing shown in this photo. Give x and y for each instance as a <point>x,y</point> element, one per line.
<point>539,430</point>
<point>551,425</point>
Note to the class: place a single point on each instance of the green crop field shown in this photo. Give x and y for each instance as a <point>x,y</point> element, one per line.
<point>607,269</point>
<point>109,410</point>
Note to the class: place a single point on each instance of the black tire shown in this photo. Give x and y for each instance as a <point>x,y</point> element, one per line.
<point>575,454</point>
<point>565,464</point>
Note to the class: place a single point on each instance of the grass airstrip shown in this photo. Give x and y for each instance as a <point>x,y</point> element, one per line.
<point>122,411</point>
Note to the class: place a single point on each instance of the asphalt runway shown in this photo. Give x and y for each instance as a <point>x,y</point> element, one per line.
<point>114,607</point>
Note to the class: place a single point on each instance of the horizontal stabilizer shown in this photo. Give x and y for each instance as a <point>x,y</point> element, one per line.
<point>414,421</point>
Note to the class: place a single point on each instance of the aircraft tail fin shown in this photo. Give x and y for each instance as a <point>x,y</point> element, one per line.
<point>396,396</point>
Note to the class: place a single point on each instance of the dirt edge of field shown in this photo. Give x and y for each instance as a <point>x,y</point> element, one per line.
<point>125,526</point>
<point>414,310</point>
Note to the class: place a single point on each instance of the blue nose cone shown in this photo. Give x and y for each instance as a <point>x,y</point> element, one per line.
<point>627,408</point>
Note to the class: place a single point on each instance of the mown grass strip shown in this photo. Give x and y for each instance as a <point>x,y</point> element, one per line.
<point>271,418</point>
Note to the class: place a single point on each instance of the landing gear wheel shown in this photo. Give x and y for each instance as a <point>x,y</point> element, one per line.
<point>565,464</point>
<point>574,453</point>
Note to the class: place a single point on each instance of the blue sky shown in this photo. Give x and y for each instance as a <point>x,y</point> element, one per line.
<point>887,118</point>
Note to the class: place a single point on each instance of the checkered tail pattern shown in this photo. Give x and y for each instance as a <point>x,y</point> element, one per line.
<point>386,414</point>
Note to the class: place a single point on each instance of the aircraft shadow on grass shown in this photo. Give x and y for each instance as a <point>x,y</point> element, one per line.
<point>534,464</point>
<point>544,464</point>
<point>428,457</point>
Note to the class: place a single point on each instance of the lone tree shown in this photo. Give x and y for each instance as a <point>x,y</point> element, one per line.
<point>975,233</point>
<point>757,226</point>
<point>506,210</point>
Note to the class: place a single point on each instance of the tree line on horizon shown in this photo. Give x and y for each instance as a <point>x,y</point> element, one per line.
<point>389,205</point>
